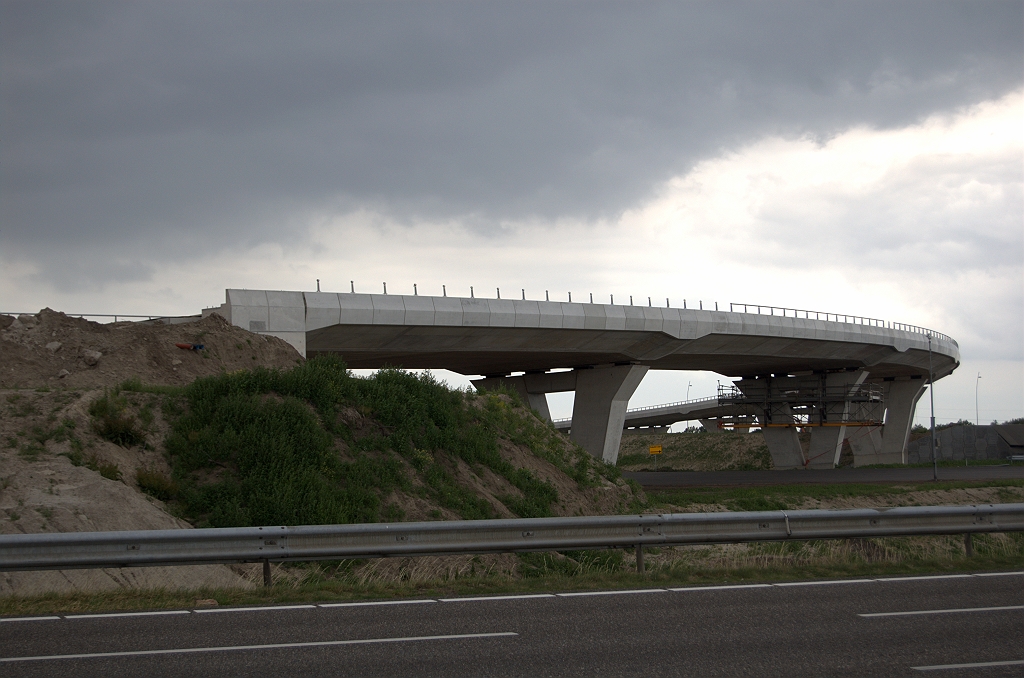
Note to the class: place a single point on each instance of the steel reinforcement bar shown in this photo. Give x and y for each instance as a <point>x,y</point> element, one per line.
<point>380,540</point>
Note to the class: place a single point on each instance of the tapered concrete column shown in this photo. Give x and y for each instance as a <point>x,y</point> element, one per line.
<point>536,401</point>
<point>599,410</point>
<point>866,444</point>
<point>784,444</point>
<point>826,446</point>
<point>710,425</point>
<point>827,441</point>
<point>901,403</point>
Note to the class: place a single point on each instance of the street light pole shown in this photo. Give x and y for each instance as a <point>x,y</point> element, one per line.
<point>931,395</point>
<point>977,382</point>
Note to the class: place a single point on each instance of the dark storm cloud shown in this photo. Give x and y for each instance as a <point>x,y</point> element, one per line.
<point>219,123</point>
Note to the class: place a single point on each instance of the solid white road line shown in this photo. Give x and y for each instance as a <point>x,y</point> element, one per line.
<point>126,614</point>
<point>379,602</point>
<point>947,611</point>
<point>12,619</point>
<point>999,574</point>
<point>824,582</point>
<point>607,593</point>
<point>474,598</point>
<point>926,577</point>
<point>723,587</point>
<point>271,646</point>
<point>269,608</point>
<point>977,665</point>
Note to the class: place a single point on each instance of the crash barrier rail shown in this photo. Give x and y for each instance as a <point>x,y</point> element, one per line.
<point>647,408</point>
<point>115,316</point>
<point>761,309</point>
<point>382,540</point>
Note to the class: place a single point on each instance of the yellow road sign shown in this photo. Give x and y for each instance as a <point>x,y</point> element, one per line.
<point>655,449</point>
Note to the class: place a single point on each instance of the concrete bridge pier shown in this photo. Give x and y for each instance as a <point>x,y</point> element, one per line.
<point>599,410</point>
<point>891,446</point>
<point>827,441</point>
<point>866,443</point>
<point>783,443</point>
<point>826,446</point>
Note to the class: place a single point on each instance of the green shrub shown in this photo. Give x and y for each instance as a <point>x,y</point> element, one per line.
<point>260,447</point>
<point>112,421</point>
<point>108,471</point>
<point>156,484</point>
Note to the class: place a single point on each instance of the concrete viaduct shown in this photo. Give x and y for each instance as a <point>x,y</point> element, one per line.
<point>836,374</point>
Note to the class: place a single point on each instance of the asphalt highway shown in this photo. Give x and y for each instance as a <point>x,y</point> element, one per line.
<point>959,625</point>
<point>669,479</point>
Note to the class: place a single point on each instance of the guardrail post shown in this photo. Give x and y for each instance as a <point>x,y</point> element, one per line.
<point>968,545</point>
<point>267,581</point>
<point>640,558</point>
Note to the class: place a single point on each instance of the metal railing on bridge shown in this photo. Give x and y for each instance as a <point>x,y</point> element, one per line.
<point>647,408</point>
<point>114,316</point>
<point>779,311</point>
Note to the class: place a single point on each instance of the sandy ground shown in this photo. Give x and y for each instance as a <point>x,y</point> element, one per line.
<point>51,368</point>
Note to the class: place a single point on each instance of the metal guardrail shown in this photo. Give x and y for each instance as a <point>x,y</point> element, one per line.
<point>115,316</point>
<point>381,540</point>
<point>838,318</point>
<point>650,407</point>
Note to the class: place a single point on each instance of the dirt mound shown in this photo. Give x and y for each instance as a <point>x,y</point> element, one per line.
<point>57,475</point>
<point>59,472</point>
<point>50,349</point>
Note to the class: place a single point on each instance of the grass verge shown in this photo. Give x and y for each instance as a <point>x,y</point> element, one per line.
<point>784,497</point>
<point>597,578</point>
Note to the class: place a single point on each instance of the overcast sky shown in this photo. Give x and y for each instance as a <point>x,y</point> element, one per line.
<point>852,157</point>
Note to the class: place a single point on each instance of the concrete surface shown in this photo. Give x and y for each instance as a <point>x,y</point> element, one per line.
<point>960,443</point>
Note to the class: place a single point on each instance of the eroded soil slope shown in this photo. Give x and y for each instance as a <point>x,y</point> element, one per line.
<point>60,471</point>
<point>51,350</point>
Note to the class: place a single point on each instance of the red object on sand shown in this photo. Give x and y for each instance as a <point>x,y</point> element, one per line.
<point>187,347</point>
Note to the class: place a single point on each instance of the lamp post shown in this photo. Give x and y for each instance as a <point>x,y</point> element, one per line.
<point>977,382</point>
<point>931,395</point>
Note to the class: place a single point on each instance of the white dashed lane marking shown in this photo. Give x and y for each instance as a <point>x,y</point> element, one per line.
<point>911,613</point>
<point>270,646</point>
